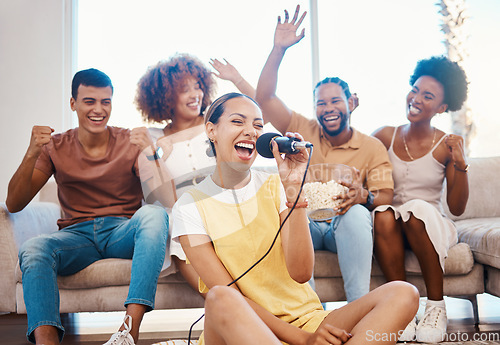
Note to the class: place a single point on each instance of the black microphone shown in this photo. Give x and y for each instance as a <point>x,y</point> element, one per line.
<point>285,144</point>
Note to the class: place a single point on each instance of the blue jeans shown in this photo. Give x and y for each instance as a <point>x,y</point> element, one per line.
<point>351,237</point>
<point>142,238</point>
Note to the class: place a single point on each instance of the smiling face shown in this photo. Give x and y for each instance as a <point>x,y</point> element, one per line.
<point>189,99</point>
<point>93,108</point>
<point>236,132</point>
<point>425,99</point>
<point>332,108</point>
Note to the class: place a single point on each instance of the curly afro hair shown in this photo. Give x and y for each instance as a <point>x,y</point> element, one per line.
<point>157,90</point>
<point>449,74</point>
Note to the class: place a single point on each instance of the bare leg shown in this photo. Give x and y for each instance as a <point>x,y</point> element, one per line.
<point>229,319</point>
<point>136,311</point>
<point>427,257</point>
<point>379,316</point>
<point>389,246</point>
<point>46,335</point>
<point>188,273</point>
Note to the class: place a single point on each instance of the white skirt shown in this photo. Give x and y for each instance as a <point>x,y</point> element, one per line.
<point>440,229</point>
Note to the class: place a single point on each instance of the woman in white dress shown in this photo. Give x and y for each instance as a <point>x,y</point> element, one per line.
<point>175,93</point>
<point>423,157</point>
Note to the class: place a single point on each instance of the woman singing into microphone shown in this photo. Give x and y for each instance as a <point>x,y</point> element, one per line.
<point>230,220</point>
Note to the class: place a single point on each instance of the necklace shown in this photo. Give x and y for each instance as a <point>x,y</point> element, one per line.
<point>406,146</point>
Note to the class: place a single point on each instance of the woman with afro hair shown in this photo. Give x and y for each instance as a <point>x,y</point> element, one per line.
<point>175,93</point>
<point>422,157</point>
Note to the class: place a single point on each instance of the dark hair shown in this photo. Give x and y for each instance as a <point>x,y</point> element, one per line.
<point>157,89</point>
<point>89,77</point>
<point>449,74</point>
<point>335,80</point>
<point>217,108</point>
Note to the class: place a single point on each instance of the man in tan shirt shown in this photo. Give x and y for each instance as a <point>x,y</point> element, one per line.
<point>350,233</point>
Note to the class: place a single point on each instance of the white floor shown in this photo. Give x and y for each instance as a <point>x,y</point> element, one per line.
<point>176,323</point>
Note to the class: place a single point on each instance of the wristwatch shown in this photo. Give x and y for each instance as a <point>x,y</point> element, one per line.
<point>157,155</point>
<point>369,200</point>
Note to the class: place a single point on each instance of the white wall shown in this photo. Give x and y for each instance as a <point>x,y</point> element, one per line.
<point>35,74</point>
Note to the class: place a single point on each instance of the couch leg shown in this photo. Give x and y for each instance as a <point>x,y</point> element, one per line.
<point>475,310</point>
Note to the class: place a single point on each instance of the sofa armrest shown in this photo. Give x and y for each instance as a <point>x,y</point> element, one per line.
<point>15,228</point>
<point>8,260</point>
<point>36,219</point>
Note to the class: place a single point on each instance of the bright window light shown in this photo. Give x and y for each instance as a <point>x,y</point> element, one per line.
<point>373,45</point>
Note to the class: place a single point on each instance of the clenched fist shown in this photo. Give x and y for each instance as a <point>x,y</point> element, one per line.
<point>40,136</point>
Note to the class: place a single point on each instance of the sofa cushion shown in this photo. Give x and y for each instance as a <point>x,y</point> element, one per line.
<point>483,237</point>
<point>106,272</point>
<point>459,261</point>
<point>36,219</point>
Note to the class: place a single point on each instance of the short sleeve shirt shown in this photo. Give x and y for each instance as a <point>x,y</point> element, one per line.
<point>188,220</point>
<point>93,187</point>
<point>363,152</point>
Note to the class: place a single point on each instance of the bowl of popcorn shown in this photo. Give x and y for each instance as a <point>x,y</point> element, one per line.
<point>323,182</point>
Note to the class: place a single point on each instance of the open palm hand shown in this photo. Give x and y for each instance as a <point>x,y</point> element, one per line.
<point>285,35</point>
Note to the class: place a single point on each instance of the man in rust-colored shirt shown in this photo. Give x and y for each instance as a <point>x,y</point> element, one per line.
<point>96,168</point>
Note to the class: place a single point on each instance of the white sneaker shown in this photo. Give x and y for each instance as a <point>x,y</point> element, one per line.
<point>432,327</point>
<point>408,333</point>
<point>123,337</point>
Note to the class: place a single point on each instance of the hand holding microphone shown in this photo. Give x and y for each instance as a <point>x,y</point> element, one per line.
<point>293,166</point>
<point>285,144</point>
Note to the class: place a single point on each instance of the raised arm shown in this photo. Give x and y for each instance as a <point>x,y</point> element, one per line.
<point>285,36</point>
<point>27,180</point>
<point>457,182</point>
<point>226,71</point>
<point>295,235</point>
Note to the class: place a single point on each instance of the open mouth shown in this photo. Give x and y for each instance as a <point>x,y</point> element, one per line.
<point>245,150</point>
<point>97,119</point>
<point>331,118</point>
<point>195,104</point>
<point>413,110</point>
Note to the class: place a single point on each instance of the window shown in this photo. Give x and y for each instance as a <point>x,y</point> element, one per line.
<point>123,38</point>
<point>374,46</point>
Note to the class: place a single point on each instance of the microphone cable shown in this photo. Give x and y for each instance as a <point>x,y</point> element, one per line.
<point>272,243</point>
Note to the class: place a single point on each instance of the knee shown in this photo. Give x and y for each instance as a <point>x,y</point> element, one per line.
<point>221,299</point>
<point>360,214</point>
<point>34,251</point>
<point>154,220</point>
<point>357,222</point>
<point>152,213</point>
<point>384,224</point>
<point>403,296</point>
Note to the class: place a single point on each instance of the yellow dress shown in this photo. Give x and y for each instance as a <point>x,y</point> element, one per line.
<point>241,233</point>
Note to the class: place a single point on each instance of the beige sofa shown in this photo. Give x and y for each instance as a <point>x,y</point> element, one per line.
<point>103,285</point>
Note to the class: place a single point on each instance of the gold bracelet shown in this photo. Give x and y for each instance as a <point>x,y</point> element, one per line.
<point>466,169</point>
